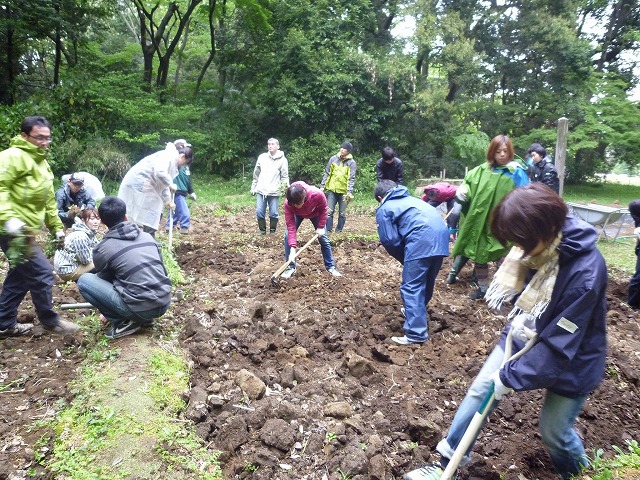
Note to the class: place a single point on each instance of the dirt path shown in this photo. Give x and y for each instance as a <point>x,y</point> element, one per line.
<point>301,382</point>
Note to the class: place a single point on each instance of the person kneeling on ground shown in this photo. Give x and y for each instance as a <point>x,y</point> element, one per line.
<point>76,257</point>
<point>72,198</point>
<point>560,280</point>
<point>306,201</point>
<point>130,286</point>
<point>414,233</point>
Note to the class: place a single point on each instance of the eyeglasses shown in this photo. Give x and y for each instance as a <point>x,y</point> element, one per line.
<point>41,138</point>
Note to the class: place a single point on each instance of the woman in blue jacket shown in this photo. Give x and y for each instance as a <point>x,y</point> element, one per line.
<point>560,279</point>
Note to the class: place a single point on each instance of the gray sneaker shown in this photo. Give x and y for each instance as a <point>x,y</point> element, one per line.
<point>17,330</point>
<point>62,327</point>
<point>334,272</point>
<point>288,273</point>
<point>431,471</point>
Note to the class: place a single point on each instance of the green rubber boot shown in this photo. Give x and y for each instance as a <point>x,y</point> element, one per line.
<point>262,225</point>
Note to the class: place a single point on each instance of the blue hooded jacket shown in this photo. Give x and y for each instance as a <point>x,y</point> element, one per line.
<point>569,356</point>
<point>409,228</point>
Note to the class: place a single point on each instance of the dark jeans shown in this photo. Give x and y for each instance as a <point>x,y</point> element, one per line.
<point>101,294</point>
<point>35,276</point>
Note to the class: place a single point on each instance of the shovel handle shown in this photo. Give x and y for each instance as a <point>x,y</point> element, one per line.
<point>472,430</point>
<point>288,262</point>
<point>173,196</point>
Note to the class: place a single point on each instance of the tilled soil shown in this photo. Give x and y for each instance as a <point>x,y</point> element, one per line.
<point>300,381</point>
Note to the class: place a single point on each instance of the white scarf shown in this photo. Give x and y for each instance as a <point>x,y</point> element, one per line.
<point>509,280</point>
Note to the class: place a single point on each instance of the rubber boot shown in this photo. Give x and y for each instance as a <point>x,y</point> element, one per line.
<point>458,263</point>
<point>262,225</point>
<point>273,223</point>
<point>341,222</point>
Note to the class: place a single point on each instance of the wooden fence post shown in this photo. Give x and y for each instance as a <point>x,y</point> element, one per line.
<point>561,150</point>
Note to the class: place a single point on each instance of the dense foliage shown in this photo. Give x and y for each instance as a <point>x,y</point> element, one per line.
<point>117,79</point>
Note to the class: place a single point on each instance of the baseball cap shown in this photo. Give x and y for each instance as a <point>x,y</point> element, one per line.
<point>181,141</point>
<point>77,178</point>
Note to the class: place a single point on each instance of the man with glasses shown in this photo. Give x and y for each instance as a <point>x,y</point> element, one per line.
<point>27,202</point>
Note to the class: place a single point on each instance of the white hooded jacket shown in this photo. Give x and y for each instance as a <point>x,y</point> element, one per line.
<point>145,187</point>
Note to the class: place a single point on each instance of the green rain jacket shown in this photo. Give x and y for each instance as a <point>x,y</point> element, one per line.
<point>26,187</point>
<point>486,186</point>
<point>339,175</point>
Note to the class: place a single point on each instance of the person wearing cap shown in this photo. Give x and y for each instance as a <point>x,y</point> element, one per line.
<point>181,214</point>
<point>147,186</point>
<point>337,184</point>
<point>541,168</point>
<point>27,202</point>
<point>71,198</point>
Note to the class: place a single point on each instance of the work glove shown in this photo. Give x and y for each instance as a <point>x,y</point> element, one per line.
<point>637,232</point>
<point>13,226</point>
<point>320,231</point>
<point>193,195</point>
<point>499,388</point>
<point>462,193</point>
<point>523,327</point>
<point>170,205</point>
<point>74,210</point>
<point>348,197</point>
<point>60,238</point>
<point>173,187</point>
<point>292,254</point>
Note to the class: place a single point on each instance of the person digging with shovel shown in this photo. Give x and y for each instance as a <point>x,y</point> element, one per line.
<point>415,234</point>
<point>560,280</point>
<point>306,201</point>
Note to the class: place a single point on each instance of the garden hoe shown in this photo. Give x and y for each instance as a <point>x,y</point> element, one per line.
<point>481,414</point>
<point>275,277</point>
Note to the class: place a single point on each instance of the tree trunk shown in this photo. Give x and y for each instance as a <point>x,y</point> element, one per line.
<point>212,51</point>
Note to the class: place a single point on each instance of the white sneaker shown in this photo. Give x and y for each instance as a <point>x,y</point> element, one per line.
<point>334,272</point>
<point>405,341</point>
<point>288,273</point>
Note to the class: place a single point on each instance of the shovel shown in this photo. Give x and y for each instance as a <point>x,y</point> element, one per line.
<point>173,197</point>
<point>274,278</point>
<point>483,410</point>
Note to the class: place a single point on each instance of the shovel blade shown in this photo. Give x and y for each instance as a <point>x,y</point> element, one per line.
<point>275,281</point>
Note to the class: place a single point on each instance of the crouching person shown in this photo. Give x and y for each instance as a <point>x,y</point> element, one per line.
<point>414,233</point>
<point>130,286</point>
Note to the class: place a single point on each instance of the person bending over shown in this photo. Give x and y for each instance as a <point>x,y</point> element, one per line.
<point>413,233</point>
<point>558,279</point>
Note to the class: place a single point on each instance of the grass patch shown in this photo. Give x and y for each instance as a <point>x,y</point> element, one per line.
<point>625,464</point>
<point>173,268</point>
<point>602,193</point>
<point>619,255</point>
<point>122,422</point>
